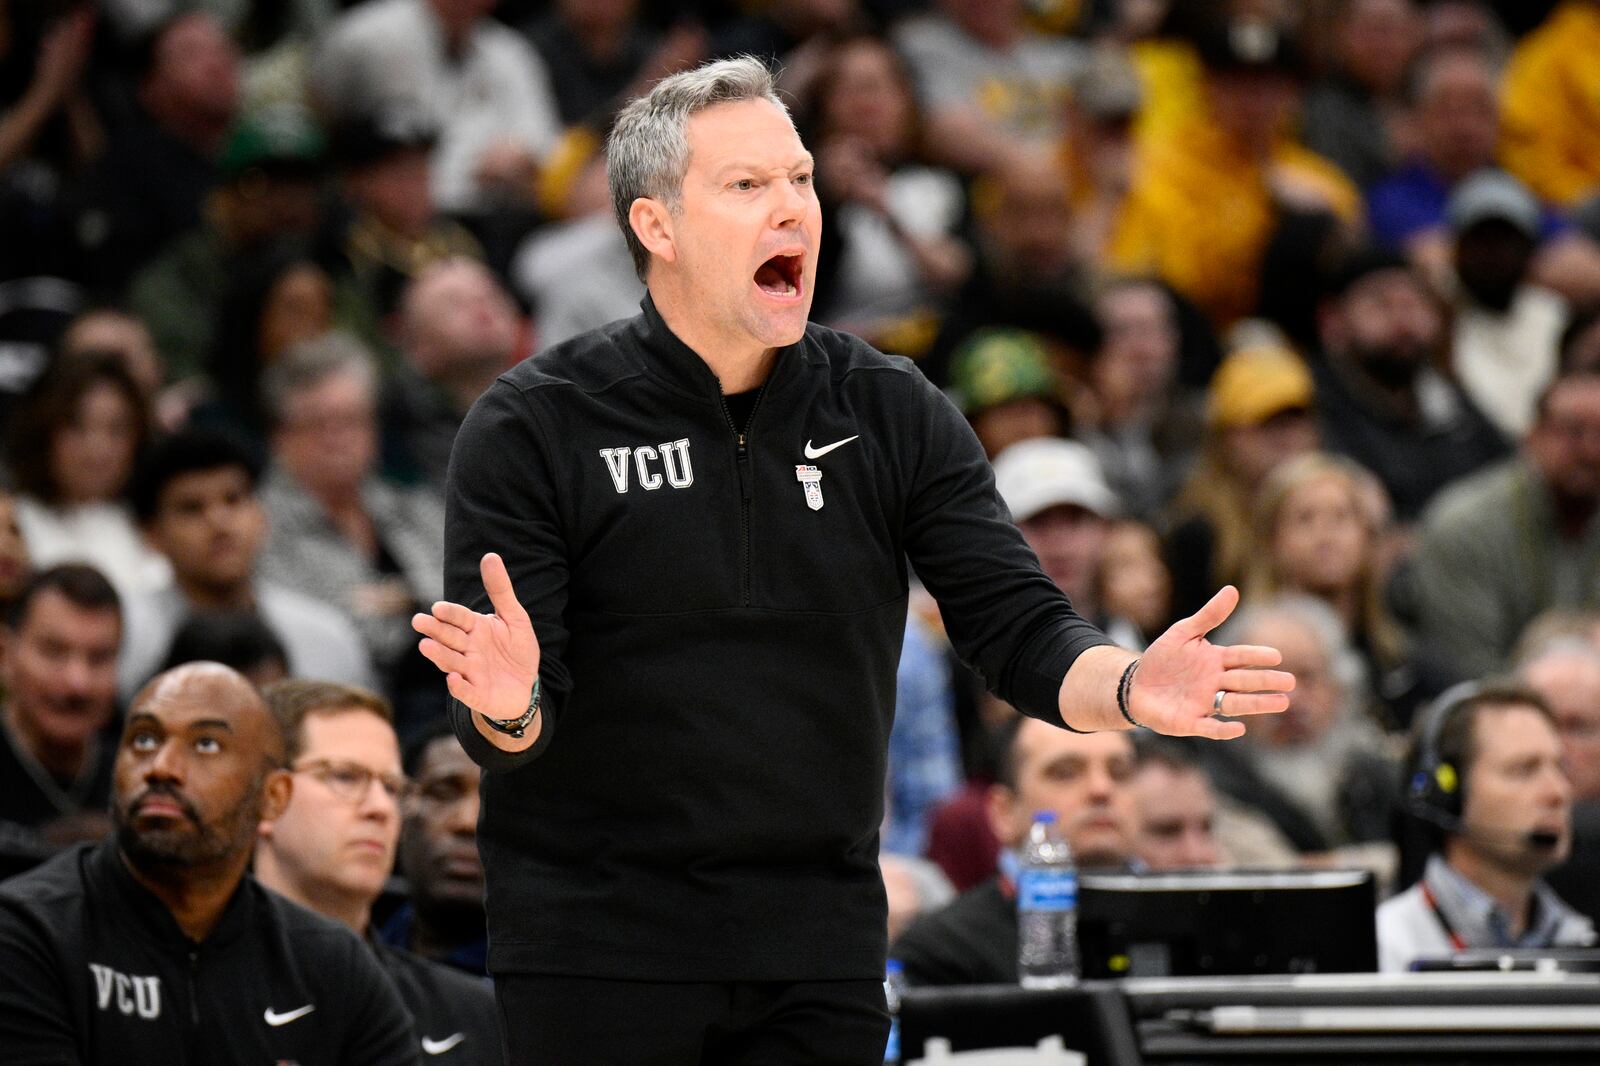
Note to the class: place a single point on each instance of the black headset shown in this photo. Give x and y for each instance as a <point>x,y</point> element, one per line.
<point>1434,792</point>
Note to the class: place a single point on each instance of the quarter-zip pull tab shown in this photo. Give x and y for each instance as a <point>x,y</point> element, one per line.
<point>194,988</point>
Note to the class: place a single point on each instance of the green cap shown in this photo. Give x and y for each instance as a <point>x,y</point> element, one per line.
<point>996,366</point>
<point>282,137</point>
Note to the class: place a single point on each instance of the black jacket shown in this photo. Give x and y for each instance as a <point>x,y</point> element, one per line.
<point>96,970</point>
<point>455,1015</point>
<point>973,941</point>
<point>719,644</point>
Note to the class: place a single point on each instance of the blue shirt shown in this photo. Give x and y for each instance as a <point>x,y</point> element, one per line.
<point>924,755</point>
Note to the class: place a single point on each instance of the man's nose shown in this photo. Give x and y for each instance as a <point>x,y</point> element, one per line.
<point>166,764</point>
<point>464,815</point>
<point>791,204</point>
<point>76,676</point>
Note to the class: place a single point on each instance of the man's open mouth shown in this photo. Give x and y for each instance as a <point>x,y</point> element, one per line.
<point>780,275</point>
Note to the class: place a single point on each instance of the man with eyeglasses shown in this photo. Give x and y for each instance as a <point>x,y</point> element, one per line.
<point>333,846</point>
<point>156,946</point>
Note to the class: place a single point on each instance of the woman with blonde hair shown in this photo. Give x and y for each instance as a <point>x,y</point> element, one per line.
<point>1319,526</point>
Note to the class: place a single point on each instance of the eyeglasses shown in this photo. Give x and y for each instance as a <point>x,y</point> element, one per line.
<point>350,781</point>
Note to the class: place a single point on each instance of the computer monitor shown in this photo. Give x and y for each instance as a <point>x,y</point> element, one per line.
<point>1192,923</point>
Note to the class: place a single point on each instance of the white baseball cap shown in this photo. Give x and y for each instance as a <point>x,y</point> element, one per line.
<point>1035,475</point>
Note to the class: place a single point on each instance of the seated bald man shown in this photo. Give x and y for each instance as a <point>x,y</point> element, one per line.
<point>155,946</point>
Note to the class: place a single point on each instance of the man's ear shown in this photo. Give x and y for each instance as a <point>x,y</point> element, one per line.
<point>275,793</point>
<point>1001,807</point>
<point>652,224</point>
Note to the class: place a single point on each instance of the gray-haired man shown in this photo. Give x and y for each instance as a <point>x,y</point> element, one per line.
<point>704,512</point>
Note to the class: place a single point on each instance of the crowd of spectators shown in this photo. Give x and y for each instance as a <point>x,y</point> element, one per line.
<point>1301,297</point>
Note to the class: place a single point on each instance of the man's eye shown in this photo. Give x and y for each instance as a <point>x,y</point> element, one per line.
<point>348,776</point>
<point>143,742</point>
<point>802,179</point>
<point>208,745</point>
<point>744,185</point>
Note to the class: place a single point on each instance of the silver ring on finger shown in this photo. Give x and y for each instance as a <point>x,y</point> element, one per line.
<point>1216,701</point>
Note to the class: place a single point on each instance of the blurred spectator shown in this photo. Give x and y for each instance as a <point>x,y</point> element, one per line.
<point>784,33</point>
<point>1006,384</point>
<point>442,918</point>
<point>1026,274</point>
<point>1134,582</point>
<point>890,248</point>
<point>1579,348</point>
<point>269,190</point>
<point>1566,672</point>
<point>479,83</point>
<point>48,129</point>
<point>113,332</point>
<point>1177,811</point>
<point>1551,106</point>
<point>913,887</point>
<point>1317,535</point>
<point>195,498</point>
<point>395,228</point>
<point>332,847</point>
<point>1518,538</point>
<point>1212,190</point>
<point>148,946</point>
<point>339,532</point>
<point>994,88</point>
<point>1489,778</point>
<point>1470,24</point>
<point>150,185</point>
<point>1146,427</point>
<point>72,448</point>
<point>1506,328</point>
<point>1258,413</point>
<point>1061,502</point>
<point>1098,151</point>
<point>1086,779</point>
<point>601,53</point>
<point>239,640</point>
<point>16,566</point>
<point>1318,770</point>
<point>1352,117</point>
<point>458,331</point>
<point>1457,123</point>
<point>59,669</point>
<point>578,276</point>
<point>924,750</point>
<point>276,296</point>
<point>1380,400</point>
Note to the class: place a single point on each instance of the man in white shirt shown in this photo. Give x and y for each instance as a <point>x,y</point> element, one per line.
<point>480,82</point>
<point>1488,776</point>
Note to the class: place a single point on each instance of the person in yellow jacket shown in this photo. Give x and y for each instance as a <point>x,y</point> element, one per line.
<point>1211,184</point>
<point>1550,106</point>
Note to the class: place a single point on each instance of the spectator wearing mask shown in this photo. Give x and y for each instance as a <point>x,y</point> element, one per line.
<point>1517,539</point>
<point>459,330</point>
<point>149,186</point>
<point>1258,414</point>
<point>1506,327</point>
<point>150,945</point>
<point>72,449</point>
<point>478,82</point>
<point>341,533</point>
<point>1556,150</point>
<point>442,917</point>
<point>332,847</point>
<point>1379,398</point>
<point>59,668</point>
<point>196,499</point>
<point>1086,779</point>
<point>1488,779</point>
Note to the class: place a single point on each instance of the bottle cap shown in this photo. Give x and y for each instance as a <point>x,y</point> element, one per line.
<point>1047,817</point>
<point>894,966</point>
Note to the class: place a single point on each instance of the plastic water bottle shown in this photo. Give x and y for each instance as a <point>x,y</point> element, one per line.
<point>894,982</point>
<point>1047,907</point>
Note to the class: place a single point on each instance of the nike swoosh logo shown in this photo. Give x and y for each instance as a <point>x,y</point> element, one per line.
<point>439,1047</point>
<point>273,1018</point>
<point>817,453</point>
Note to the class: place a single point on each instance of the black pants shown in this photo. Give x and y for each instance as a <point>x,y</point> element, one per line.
<point>581,1021</point>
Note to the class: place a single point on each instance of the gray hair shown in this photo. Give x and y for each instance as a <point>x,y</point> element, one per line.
<point>308,364</point>
<point>647,153</point>
<point>1260,619</point>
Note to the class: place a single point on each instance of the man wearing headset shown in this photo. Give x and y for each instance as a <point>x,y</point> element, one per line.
<point>1488,776</point>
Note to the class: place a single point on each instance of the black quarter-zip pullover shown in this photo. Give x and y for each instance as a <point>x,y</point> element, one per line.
<point>720,611</point>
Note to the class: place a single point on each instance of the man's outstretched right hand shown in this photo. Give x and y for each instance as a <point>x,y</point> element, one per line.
<point>489,660</point>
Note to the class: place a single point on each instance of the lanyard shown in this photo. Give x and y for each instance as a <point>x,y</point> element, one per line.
<point>1450,931</point>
